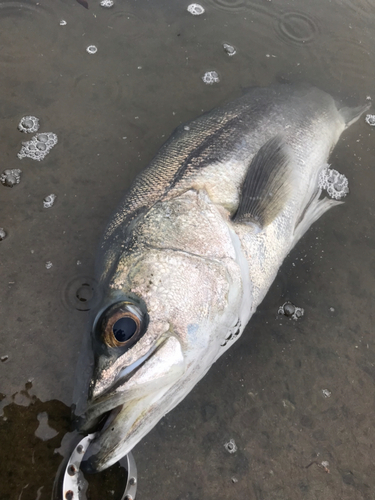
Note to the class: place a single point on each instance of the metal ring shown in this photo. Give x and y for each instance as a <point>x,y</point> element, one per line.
<point>74,485</point>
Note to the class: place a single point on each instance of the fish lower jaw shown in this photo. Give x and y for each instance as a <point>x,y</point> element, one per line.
<point>95,460</point>
<point>99,423</point>
<point>115,439</point>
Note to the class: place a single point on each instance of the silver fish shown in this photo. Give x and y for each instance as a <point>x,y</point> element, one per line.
<point>194,247</point>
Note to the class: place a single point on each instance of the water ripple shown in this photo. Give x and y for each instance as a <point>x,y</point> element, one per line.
<point>32,24</point>
<point>232,5</point>
<point>296,28</point>
<point>128,24</point>
<point>81,293</point>
<point>237,6</point>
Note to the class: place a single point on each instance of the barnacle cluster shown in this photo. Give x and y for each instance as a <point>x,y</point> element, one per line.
<point>229,49</point>
<point>210,77</point>
<point>334,183</point>
<point>49,201</point>
<point>195,9</point>
<point>11,177</point>
<point>231,446</point>
<point>38,147</point>
<point>370,119</point>
<point>291,311</point>
<point>29,124</point>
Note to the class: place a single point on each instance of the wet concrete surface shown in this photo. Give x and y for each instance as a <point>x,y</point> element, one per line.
<point>292,394</point>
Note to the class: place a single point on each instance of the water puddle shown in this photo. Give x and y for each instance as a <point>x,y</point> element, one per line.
<point>292,395</point>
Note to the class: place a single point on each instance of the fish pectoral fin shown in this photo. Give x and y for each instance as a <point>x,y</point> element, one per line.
<point>351,115</point>
<point>267,184</point>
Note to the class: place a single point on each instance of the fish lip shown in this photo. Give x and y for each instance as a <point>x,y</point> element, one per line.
<point>91,423</point>
<point>130,417</point>
<point>90,463</point>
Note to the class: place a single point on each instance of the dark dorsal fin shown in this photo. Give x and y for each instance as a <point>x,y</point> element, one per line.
<point>267,184</point>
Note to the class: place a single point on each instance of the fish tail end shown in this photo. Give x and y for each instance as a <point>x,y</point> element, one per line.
<point>351,115</point>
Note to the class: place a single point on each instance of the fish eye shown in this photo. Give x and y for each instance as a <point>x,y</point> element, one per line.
<point>124,329</point>
<point>121,326</point>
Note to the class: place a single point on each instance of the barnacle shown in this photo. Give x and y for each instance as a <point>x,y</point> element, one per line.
<point>38,147</point>
<point>370,119</point>
<point>91,49</point>
<point>11,177</point>
<point>29,124</point>
<point>291,311</point>
<point>210,77</point>
<point>49,201</point>
<point>334,183</point>
<point>107,3</point>
<point>195,9</point>
<point>229,49</point>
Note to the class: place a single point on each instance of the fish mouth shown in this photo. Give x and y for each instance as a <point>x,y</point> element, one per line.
<point>128,409</point>
<point>109,401</point>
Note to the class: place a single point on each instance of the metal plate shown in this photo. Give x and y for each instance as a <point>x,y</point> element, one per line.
<point>74,484</point>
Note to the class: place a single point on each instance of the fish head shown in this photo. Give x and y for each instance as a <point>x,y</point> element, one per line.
<point>155,336</point>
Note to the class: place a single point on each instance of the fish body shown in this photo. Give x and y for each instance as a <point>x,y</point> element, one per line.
<point>194,247</point>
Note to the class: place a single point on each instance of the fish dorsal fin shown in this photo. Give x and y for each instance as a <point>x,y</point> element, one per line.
<point>267,184</point>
